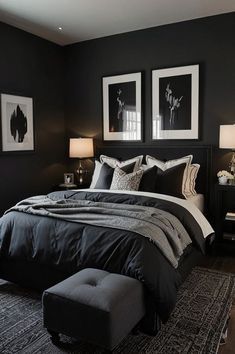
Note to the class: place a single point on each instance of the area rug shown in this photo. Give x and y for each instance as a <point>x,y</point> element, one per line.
<point>195,326</point>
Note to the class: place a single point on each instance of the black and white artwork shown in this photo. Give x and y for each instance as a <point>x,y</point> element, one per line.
<point>17,123</point>
<point>122,107</point>
<point>68,178</point>
<point>175,103</point>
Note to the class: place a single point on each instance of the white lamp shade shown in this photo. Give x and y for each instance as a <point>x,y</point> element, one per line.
<point>81,147</point>
<point>227,136</point>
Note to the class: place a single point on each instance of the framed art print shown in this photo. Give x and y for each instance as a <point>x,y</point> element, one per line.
<point>175,100</point>
<point>122,117</point>
<point>17,123</point>
<point>68,178</point>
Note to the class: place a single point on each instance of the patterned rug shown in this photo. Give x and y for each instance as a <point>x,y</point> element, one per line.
<point>196,325</point>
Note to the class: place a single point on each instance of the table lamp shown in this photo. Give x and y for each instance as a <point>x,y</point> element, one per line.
<point>227,141</point>
<point>81,148</point>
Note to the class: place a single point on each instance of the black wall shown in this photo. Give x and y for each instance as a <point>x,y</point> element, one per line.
<point>37,68</point>
<point>30,66</point>
<point>209,42</point>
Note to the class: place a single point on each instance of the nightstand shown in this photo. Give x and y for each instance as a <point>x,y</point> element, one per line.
<point>64,186</point>
<point>67,186</point>
<point>225,202</point>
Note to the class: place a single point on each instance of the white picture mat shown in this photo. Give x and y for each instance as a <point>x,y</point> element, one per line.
<point>192,133</point>
<point>8,104</point>
<point>107,135</point>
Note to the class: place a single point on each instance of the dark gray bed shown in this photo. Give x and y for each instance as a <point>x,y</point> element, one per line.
<point>39,251</point>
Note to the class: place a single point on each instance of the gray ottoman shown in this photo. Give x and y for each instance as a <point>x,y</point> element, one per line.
<point>95,306</point>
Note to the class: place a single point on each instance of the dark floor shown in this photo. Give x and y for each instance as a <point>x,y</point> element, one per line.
<point>224,263</point>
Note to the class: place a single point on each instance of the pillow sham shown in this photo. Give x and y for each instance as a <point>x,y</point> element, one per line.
<point>106,175</point>
<point>190,182</point>
<point>148,180</point>
<point>152,161</point>
<point>145,167</point>
<point>123,181</point>
<point>96,174</point>
<point>113,162</point>
<point>170,181</point>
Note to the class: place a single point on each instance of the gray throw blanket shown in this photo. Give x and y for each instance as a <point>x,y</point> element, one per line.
<point>159,226</point>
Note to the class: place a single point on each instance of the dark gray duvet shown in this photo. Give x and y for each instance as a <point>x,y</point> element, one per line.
<point>71,246</point>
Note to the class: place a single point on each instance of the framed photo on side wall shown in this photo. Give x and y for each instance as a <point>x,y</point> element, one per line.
<point>122,115</point>
<point>175,101</point>
<point>17,123</point>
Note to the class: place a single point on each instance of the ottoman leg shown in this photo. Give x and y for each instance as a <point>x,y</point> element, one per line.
<point>55,337</point>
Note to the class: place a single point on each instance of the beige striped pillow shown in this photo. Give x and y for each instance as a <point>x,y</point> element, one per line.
<point>190,182</point>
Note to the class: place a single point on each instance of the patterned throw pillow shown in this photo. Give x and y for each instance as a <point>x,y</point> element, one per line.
<point>124,181</point>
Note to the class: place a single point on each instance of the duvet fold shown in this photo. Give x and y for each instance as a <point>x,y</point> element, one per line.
<point>45,239</point>
<point>159,226</point>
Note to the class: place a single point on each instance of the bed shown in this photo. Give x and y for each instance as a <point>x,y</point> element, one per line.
<point>45,239</point>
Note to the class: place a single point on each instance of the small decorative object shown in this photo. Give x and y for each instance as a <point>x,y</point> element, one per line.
<point>224,176</point>
<point>175,97</point>
<point>122,117</point>
<point>227,141</point>
<point>68,178</point>
<point>81,148</point>
<point>17,123</point>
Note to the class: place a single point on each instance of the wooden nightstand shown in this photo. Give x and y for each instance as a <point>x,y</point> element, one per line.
<point>225,202</point>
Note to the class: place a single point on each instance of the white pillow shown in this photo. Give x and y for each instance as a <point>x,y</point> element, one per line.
<point>113,162</point>
<point>96,174</point>
<point>152,161</point>
<point>126,181</point>
<point>191,180</point>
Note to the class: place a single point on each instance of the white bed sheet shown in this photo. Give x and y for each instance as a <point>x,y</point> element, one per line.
<point>198,201</point>
<point>191,207</point>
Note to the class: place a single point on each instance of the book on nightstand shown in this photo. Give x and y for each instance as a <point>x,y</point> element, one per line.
<point>229,236</point>
<point>230,216</point>
<point>229,226</point>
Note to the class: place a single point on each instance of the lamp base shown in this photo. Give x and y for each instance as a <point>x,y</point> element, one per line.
<point>81,173</point>
<point>232,164</point>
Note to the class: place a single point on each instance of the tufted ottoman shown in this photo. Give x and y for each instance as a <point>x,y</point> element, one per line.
<point>95,306</point>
